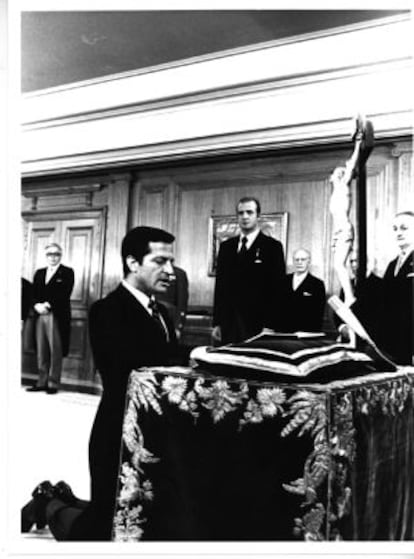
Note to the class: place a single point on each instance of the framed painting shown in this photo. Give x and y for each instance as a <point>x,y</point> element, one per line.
<point>222,227</point>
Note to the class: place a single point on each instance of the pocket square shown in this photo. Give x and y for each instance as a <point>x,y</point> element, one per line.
<point>307,294</point>
<point>410,275</point>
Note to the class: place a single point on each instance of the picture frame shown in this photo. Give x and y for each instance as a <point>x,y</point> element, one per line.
<point>222,227</point>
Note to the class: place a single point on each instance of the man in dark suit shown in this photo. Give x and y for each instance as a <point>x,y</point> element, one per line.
<point>52,288</point>
<point>250,280</point>
<point>306,295</point>
<point>175,299</point>
<point>128,330</point>
<point>397,325</point>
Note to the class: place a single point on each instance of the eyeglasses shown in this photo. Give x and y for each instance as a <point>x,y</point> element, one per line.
<point>53,254</point>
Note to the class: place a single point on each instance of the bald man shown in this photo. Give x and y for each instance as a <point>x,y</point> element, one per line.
<point>306,295</point>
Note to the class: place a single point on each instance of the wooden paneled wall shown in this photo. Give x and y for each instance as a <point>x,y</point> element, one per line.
<point>183,198</point>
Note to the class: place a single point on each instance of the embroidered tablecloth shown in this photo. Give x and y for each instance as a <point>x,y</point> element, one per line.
<point>216,458</point>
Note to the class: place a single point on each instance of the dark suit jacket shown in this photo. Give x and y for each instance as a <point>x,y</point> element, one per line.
<point>306,304</point>
<point>123,337</point>
<point>57,292</point>
<point>250,291</point>
<point>397,337</point>
<point>176,298</point>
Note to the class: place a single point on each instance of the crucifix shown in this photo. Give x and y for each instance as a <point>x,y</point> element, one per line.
<point>340,206</point>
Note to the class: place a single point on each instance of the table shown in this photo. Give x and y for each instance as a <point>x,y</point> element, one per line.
<point>215,458</point>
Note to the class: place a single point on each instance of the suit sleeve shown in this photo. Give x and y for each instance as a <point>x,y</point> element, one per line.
<point>277,288</point>
<point>320,304</point>
<point>182,296</point>
<point>220,290</point>
<point>111,355</point>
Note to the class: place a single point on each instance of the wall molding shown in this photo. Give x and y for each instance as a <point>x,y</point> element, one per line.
<point>300,92</point>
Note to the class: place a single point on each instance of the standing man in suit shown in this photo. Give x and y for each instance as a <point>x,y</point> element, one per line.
<point>250,280</point>
<point>306,295</point>
<point>52,288</point>
<point>128,330</point>
<point>397,323</point>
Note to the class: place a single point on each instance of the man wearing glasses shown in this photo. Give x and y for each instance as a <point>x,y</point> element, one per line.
<point>52,288</point>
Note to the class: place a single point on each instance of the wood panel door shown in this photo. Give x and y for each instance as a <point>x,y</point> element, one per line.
<point>81,235</point>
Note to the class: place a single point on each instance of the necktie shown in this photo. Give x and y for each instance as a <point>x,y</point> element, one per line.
<point>399,263</point>
<point>243,248</point>
<point>156,315</point>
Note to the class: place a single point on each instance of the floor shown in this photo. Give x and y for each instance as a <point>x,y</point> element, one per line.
<point>52,438</point>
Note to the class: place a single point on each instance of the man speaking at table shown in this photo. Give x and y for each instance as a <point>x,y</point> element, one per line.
<point>127,331</point>
<point>250,280</point>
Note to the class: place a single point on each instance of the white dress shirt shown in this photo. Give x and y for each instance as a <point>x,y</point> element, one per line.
<point>50,272</point>
<point>297,279</point>
<point>251,237</point>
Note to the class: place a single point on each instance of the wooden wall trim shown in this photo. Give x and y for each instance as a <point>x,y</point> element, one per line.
<point>302,93</point>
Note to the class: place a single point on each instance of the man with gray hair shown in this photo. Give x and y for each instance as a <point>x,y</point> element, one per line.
<point>306,295</point>
<point>52,288</point>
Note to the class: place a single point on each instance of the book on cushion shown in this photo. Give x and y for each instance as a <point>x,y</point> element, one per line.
<point>288,357</point>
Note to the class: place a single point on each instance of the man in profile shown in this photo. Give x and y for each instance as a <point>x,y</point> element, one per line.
<point>52,288</point>
<point>128,330</point>
<point>250,280</point>
<point>306,295</point>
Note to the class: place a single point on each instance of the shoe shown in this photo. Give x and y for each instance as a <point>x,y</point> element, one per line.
<point>36,389</point>
<point>34,512</point>
<point>64,492</point>
<point>51,390</point>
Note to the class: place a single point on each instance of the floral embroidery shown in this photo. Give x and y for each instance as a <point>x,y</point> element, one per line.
<point>174,388</point>
<point>143,390</point>
<point>127,525</point>
<point>327,418</point>
<point>220,399</point>
<point>269,402</point>
<point>389,397</point>
<point>308,412</point>
<point>134,489</point>
<point>309,527</point>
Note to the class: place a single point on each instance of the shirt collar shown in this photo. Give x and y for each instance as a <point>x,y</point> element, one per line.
<point>139,295</point>
<point>53,268</point>
<point>251,237</point>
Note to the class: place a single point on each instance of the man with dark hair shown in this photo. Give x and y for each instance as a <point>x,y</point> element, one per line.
<point>52,288</point>
<point>250,280</point>
<point>127,331</point>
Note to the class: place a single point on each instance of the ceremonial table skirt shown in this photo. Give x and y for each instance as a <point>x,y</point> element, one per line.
<point>215,458</point>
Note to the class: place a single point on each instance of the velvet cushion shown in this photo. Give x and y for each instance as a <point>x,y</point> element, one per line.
<point>287,357</point>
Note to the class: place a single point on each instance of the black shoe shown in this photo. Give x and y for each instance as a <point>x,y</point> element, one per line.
<point>36,389</point>
<point>64,492</point>
<point>34,512</point>
<point>51,390</point>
